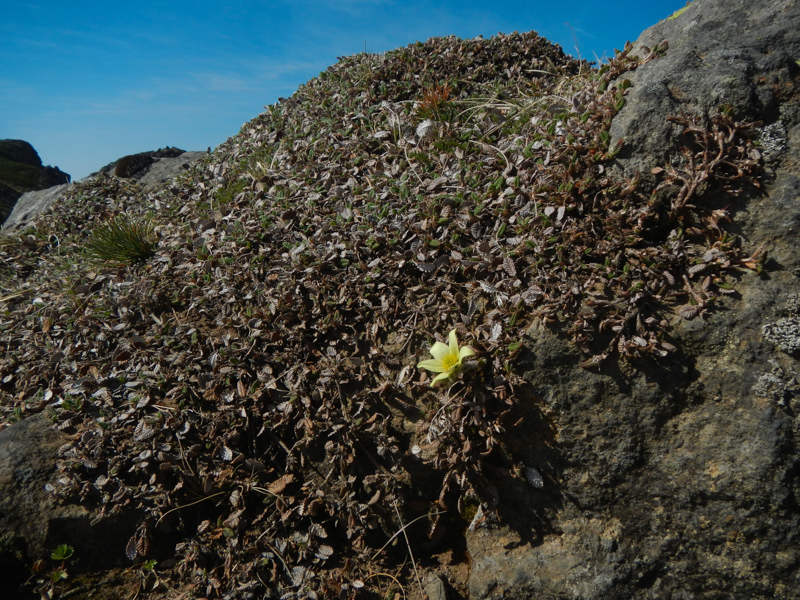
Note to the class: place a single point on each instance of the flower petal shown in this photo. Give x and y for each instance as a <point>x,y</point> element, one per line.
<point>453,343</point>
<point>465,352</point>
<point>434,365</point>
<point>440,350</point>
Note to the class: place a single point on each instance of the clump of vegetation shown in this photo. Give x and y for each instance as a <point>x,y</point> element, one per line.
<point>49,576</point>
<point>436,103</point>
<point>121,240</point>
<point>271,388</point>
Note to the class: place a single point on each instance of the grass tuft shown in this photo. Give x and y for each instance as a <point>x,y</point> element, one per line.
<point>120,240</point>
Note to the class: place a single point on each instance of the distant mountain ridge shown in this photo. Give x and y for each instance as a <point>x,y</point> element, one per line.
<point>21,170</point>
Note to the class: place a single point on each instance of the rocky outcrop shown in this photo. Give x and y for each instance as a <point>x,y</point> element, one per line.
<point>165,168</point>
<point>21,152</point>
<point>31,204</point>
<point>8,197</point>
<point>21,171</point>
<point>31,521</point>
<point>680,480</point>
<point>148,168</point>
<point>735,56</point>
<point>138,166</point>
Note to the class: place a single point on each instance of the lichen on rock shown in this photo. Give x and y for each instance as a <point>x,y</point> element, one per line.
<point>785,333</point>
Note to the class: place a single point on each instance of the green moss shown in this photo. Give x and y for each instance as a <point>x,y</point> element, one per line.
<point>678,12</point>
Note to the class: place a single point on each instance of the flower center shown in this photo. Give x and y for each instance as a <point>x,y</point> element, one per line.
<point>449,361</point>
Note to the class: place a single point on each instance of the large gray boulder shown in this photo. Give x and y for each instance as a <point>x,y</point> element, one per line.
<point>679,479</point>
<point>168,167</point>
<point>32,522</point>
<point>722,54</point>
<point>153,167</point>
<point>150,169</point>
<point>31,204</point>
<point>21,170</point>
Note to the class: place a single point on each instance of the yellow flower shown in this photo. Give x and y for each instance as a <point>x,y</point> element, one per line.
<point>446,359</point>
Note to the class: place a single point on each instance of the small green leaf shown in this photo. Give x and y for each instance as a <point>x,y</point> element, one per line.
<point>63,552</point>
<point>58,575</point>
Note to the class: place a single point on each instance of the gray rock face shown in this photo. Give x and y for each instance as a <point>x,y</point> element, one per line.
<point>32,523</point>
<point>156,172</point>
<point>679,479</point>
<point>164,169</point>
<point>722,53</point>
<point>21,171</point>
<point>152,167</point>
<point>31,204</point>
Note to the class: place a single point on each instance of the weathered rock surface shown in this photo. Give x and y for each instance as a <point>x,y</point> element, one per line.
<point>31,204</point>
<point>164,169</point>
<point>151,167</point>
<point>721,54</point>
<point>21,170</point>
<point>680,480</point>
<point>159,166</point>
<point>32,523</point>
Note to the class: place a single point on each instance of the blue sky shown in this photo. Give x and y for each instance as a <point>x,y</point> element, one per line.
<point>88,82</point>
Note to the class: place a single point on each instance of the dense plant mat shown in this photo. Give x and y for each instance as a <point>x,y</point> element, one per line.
<point>252,388</point>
